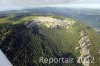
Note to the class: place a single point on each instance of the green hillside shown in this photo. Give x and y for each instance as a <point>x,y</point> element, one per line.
<point>24,46</point>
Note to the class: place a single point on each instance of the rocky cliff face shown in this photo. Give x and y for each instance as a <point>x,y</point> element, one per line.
<point>49,22</point>
<point>85,47</point>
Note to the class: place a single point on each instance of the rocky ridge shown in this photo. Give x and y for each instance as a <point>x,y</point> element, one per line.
<point>84,48</point>
<point>49,22</point>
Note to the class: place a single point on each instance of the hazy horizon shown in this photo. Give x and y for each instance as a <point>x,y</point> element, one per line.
<point>15,4</point>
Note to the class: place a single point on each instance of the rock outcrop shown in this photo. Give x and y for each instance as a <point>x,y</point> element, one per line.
<point>49,22</point>
<point>85,47</point>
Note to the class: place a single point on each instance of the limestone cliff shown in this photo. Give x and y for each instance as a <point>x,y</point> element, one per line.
<point>49,22</point>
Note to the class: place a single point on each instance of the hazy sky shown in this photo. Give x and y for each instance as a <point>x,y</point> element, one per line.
<point>19,4</point>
